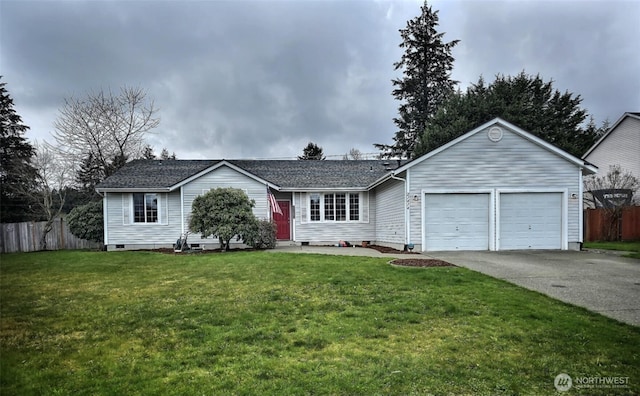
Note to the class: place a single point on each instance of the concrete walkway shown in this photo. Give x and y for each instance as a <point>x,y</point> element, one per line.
<point>337,251</point>
<point>601,282</point>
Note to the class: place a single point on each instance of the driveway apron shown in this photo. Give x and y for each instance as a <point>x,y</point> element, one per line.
<point>603,283</point>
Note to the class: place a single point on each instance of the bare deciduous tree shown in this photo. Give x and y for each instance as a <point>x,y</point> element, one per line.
<point>108,127</point>
<point>614,181</point>
<point>53,175</point>
<point>353,154</point>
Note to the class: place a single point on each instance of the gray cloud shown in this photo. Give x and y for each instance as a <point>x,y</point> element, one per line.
<point>261,79</point>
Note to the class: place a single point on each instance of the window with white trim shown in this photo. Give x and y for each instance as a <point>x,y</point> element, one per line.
<point>314,207</point>
<point>334,207</point>
<point>145,208</point>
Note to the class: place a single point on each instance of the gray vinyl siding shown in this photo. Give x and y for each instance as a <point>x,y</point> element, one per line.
<point>332,232</point>
<point>620,147</point>
<point>225,177</point>
<point>390,198</point>
<point>511,163</point>
<point>122,231</point>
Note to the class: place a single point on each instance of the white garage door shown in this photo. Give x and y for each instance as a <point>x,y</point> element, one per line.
<point>530,221</point>
<point>456,222</point>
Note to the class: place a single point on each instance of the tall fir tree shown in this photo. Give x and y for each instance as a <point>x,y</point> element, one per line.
<point>17,175</point>
<point>426,64</point>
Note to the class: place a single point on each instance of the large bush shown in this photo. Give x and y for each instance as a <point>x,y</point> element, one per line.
<point>262,235</point>
<point>223,213</point>
<point>87,221</point>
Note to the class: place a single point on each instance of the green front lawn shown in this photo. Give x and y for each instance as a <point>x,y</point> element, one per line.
<point>632,247</point>
<point>124,323</point>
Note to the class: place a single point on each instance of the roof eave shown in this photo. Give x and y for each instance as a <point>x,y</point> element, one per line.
<point>134,189</point>
<point>230,165</point>
<point>323,189</point>
<point>524,134</point>
<point>381,180</point>
<point>589,169</point>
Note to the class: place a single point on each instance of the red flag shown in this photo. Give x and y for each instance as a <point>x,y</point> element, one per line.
<point>275,208</point>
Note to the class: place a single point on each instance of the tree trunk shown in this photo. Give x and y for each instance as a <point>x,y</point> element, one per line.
<point>45,231</point>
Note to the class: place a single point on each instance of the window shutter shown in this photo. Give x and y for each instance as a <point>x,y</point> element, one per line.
<point>365,206</point>
<point>126,209</point>
<point>303,207</point>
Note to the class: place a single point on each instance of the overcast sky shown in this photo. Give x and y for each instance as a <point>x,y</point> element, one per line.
<point>260,79</point>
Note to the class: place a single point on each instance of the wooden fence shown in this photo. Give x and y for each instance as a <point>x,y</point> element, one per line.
<point>25,237</point>
<point>596,225</point>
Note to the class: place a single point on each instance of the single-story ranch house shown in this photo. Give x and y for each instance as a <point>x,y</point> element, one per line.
<point>497,187</point>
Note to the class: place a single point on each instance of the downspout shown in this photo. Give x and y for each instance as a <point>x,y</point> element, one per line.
<point>105,232</point>
<point>105,221</point>
<point>182,210</point>
<point>581,208</point>
<point>407,231</point>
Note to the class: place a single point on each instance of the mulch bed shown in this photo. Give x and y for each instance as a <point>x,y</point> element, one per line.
<point>385,249</point>
<point>408,262</point>
<point>421,263</point>
<point>411,262</point>
<point>194,251</point>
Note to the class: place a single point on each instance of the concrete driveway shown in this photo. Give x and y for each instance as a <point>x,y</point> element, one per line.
<point>601,282</point>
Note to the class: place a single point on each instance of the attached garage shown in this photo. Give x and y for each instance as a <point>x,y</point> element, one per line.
<point>457,221</point>
<point>530,220</point>
<point>496,187</point>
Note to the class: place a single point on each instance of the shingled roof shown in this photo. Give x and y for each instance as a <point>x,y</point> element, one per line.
<point>286,174</point>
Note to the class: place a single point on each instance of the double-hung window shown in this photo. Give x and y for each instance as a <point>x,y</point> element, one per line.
<point>145,208</point>
<point>336,207</point>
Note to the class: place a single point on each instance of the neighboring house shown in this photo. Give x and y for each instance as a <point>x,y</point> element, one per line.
<point>619,146</point>
<point>495,188</point>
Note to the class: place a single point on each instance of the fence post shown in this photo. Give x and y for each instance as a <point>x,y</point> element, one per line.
<point>62,241</point>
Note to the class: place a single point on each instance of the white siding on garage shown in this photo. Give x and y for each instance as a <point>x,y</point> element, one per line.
<point>390,210</point>
<point>121,231</point>
<point>225,177</point>
<point>512,162</point>
<point>530,221</point>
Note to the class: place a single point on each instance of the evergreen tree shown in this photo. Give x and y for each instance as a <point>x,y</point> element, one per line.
<point>525,101</point>
<point>16,172</point>
<point>147,153</point>
<point>426,83</point>
<point>164,155</point>
<point>89,174</point>
<point>312,152</point>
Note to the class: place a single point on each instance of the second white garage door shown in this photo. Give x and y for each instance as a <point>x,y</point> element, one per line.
<point>530,221</point>
<point>457,221</point>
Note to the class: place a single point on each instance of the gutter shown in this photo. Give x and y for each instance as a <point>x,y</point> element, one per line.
<point>132,190</point>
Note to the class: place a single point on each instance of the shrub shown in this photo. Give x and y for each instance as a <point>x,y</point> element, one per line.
<point>222,213</point>
<point>262,235</point>
<point>87,221</point>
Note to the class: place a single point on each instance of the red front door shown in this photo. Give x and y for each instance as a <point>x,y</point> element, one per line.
<point>283,221</point>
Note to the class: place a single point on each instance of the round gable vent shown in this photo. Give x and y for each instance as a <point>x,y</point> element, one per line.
<point>495,134</point>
